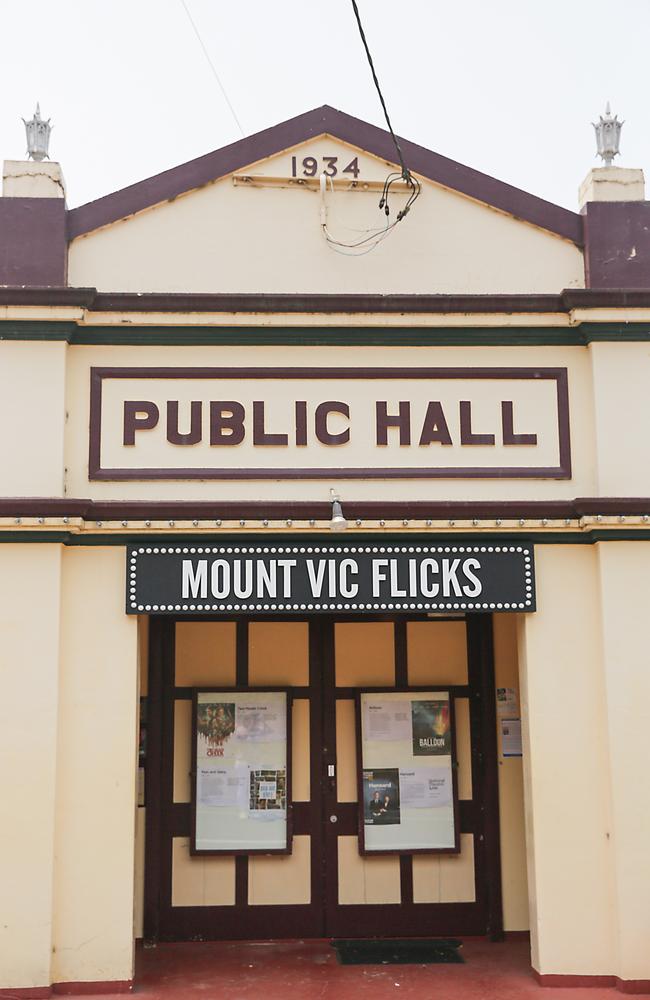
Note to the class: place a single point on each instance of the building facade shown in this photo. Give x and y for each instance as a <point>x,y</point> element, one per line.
<point>192,369</point>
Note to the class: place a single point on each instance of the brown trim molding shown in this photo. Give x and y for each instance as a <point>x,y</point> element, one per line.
<point>195,173</point>
<point>42,295</point>
<point>101,987</point>
<point>208,510</point>
<point>326,303</point>
<point>622,985</point>
<point>93,988</point>
<point>202,302</point>
<point>31,992</point>
<point>558,375</point>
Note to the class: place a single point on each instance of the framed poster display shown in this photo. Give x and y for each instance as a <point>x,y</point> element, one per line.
<point>408,797</point>
<point>241,779</point>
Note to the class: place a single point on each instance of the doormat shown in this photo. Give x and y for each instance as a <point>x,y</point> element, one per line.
<point>383,952</point>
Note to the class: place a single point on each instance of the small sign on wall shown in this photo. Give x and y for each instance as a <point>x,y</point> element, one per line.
<point>511,745</point>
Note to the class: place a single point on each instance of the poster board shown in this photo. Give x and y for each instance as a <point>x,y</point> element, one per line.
<point>408,798</point>
<point>241,780</point>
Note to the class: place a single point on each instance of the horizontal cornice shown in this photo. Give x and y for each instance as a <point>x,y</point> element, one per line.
<point>34,512</point>
<point>201,302</point>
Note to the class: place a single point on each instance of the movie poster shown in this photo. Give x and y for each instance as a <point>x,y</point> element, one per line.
<point>381,796</point>
<point>431,728</point>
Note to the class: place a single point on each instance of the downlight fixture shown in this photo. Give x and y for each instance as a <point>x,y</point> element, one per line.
<point>338,522</point>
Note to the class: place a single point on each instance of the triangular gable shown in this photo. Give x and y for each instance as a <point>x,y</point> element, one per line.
<point>326,120</point>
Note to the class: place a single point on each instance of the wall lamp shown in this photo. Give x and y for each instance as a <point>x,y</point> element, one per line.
<point>338,522</point>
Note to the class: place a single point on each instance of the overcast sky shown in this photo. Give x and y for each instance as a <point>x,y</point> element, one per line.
<point>506,87</point>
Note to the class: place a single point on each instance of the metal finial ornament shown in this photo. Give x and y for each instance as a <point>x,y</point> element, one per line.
<point>38,136</point>
<point>608,136</point>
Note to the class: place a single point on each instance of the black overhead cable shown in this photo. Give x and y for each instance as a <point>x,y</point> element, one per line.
<point>406,174</point>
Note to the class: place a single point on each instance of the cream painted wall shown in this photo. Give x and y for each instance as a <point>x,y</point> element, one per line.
<point>576,359</point>
<point>32,418</point>
<point>29,668</point>
<point>514,883</point>
<point>253,238</point>
<point>621,376</point>
<point>567,802</point>
<point>624,569</point>
<point>95,771</point>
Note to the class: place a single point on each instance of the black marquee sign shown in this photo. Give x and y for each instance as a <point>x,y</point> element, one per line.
<point>301,577</point>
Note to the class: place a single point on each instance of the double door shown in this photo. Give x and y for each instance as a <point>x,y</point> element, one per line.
<point>324,887</point>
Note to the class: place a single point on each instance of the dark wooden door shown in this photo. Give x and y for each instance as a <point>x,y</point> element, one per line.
<point>325,888</point>
<point>410,895</point>
<point>230,897</point>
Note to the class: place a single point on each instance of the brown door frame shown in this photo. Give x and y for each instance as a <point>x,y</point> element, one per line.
<point>481,815</point>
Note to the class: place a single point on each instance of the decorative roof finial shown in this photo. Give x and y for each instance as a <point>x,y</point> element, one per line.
<point>38,136</point>
<point>608,136</point>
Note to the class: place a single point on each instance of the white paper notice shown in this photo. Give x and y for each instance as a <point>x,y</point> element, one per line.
<point>267,789</point>
<point>260,723</point>
<point>387,720</point>
<point>507,702</point>
<point>424,787</point>
<point>220,786</point>
<point>511,737</point>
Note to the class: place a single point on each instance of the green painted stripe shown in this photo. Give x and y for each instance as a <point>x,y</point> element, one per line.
<point>196,336</point>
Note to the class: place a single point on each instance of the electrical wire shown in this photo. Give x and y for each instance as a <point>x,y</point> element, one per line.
<point>374,237</point>
<point>405,175</point>
<point>212,66</point>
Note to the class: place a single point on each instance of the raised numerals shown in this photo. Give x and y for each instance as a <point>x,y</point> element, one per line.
<point>310,166</point>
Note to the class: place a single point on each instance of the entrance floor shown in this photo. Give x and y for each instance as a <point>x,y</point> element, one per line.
<point>306,970</point>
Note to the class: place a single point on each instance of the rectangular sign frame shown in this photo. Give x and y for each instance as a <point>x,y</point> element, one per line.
<point>97,471</point>
<point>230,694</point>
<point>413,695</point>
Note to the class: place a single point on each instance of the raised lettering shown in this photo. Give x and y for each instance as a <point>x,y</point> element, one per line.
<point>139,415</point>
<point>260,435</point>
<point>323,411</point>
<point>434,428</point>
<point>507,425</point>
<point>467,436</point>
<point>193,436</point>
<point>226,422</point>
<point>402,420</point>
<point>301,423</point>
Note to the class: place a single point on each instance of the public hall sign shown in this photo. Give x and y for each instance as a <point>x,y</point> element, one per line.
<point>189,578</point>
<point>328,423</point>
